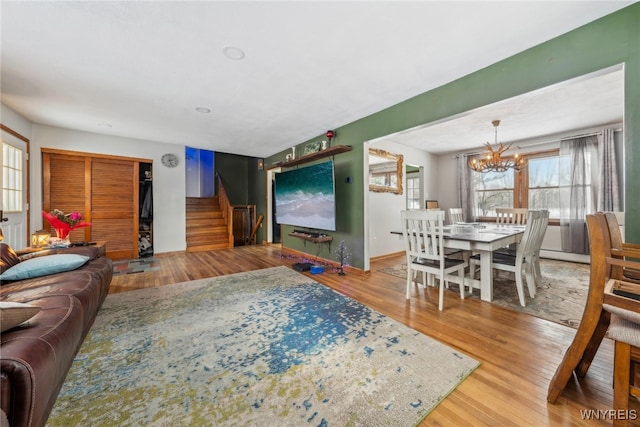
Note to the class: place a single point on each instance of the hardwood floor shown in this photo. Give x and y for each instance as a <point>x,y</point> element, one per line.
<point>519,353</point>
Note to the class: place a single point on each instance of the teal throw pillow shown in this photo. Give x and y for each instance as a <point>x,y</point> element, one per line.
<point>41,266</point>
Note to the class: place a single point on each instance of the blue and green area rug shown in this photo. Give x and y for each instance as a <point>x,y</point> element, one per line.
<point>269,348</point>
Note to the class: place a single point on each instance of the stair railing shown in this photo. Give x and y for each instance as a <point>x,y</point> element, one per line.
<point>227,209</point>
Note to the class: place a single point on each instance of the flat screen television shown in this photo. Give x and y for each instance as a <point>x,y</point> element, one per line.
<point>305,197</point>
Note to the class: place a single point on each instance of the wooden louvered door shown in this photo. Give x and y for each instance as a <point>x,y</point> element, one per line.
<point>103,188</point>
<point>114,206</point>
<point>64,189</point>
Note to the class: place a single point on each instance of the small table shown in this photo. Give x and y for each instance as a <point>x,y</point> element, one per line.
<point>482,239</point>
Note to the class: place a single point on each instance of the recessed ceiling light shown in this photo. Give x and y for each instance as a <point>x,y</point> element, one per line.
<point>203,110</point>
<point>234,53</point>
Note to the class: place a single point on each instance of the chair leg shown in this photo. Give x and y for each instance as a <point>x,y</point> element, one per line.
<point>580,353</point>
<point>519,285</point>
<point>409,281</point>
<point>461,282</point>
<point>531,282</point>
<point>536,270</point>
<point>441,293</point>
<point>621,373</point>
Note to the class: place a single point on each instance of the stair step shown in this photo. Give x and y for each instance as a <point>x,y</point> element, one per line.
<point>212,247</point>
<point>206,223</point>
<point>217,229</point>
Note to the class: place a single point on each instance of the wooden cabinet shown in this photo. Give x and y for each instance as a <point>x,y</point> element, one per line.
<point>104,189</point>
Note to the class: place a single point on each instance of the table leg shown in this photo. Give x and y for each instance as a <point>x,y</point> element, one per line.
<point>486,276</point>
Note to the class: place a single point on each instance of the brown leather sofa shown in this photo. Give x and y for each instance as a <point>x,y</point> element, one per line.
<point>37,355</point>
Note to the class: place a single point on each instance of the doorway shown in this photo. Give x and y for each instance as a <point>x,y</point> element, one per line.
<point>14,181</point>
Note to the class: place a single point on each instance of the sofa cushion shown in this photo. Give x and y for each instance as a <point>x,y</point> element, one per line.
<point>8,257</point>
<point>14,313</point>
<point>43,266</point>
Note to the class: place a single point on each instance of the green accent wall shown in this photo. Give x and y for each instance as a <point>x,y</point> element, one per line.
<point>609,41</point>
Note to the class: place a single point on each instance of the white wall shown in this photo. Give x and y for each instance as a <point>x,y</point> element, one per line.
<point>384,208</point>
<point>15,122</point>
<point>169,224</point>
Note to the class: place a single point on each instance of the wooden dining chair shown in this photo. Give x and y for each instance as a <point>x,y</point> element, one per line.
<point>620,249</point>
<point>423,233</point>
<point>455,215</point>
<point>624,329</point>
<point>595,319</point>
<point>511,216</point>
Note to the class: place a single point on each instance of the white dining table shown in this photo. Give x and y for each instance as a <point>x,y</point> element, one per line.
<point>482,239</point>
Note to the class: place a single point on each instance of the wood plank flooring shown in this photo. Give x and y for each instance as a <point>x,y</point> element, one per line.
<point>519,353</point>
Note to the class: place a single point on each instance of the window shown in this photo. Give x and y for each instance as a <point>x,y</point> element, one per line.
<point>11,178</point>
<point>493,190</point>
<point>541,185</point>
<point>413,192</point>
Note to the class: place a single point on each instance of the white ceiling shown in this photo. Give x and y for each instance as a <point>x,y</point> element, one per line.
<point>140,69</point>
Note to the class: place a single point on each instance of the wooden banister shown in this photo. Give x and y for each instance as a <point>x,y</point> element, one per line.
<point>227,209</point>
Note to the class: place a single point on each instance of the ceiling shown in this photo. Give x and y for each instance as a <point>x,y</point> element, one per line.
<point>565,109</point>
<point>275,74</point>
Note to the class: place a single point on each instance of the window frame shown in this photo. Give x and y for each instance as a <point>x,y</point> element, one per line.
<point>521,185</point>
<point>15,171</point>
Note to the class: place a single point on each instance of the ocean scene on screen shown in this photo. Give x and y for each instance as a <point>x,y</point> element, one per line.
<point>305,197</point>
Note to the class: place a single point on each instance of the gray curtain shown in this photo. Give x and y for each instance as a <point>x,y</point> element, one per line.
<point>577,197</point>
<point>465,194</point>
<point>608,191</point>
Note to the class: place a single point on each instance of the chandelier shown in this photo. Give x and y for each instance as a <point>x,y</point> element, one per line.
<point>493,160</point>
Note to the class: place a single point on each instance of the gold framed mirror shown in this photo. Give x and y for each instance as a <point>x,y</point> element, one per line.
<point>385,171</point>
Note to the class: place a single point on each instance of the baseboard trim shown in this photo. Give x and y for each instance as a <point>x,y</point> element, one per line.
<point>385,256</point>
<point>565,256</point>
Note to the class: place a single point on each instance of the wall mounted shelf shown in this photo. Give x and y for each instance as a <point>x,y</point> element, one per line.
<point>310,238</point>
<point>331,151</point>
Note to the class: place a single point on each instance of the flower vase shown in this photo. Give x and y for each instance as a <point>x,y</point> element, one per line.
<point>62,233</point>
<point>61,239</point>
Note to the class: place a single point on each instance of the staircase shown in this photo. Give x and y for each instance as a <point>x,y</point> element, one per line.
<point>207,225</point>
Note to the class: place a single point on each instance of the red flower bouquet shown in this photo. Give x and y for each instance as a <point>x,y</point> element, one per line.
<point>64,223</point>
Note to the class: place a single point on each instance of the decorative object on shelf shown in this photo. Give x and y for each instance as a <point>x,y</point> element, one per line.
<point>493,161</point>
<point>342,256</point>
<point>330,135</point>
<point>312,147</point>
<point>288,157</point>
<point>63,224</point>
<point>40,239</point>
<point>293,153</point>
<point>169,160</point>
<point>323,145</point>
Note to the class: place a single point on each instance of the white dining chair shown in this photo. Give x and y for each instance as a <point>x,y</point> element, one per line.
<point>524,260</point>
<point>423,233</point>
<point>455,215</point>
<point>541,229</point>
<point>516,216</point>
